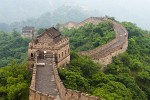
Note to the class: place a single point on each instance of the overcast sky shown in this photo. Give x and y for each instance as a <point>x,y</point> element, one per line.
<point>136,11</point>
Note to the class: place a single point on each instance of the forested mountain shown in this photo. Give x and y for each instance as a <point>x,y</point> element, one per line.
<point>127,78</point>
<point>18,10</point>
<point>60,15</point>
<point>14,81</point>
<point>123,10</point>
<point>14,77</point>
<point>48,19</point>
<point>90,36</point>
<point>12,46</point>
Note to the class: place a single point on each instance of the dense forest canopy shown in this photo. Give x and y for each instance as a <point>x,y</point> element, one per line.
<point>127,78</point>
<point>90,36</point>
<point>14,77</point>
<point>13,46</point>
<point>14,81</point>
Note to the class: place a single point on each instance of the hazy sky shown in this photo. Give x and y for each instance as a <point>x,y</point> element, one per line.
<point>136,11</point>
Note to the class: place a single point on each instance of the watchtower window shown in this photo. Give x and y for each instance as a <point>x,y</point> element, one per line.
<point>65,52</point>
<point>31,54</point>
<point>62,54</point>
<point>68,50</point>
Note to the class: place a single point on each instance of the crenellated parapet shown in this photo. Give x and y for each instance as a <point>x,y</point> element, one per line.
<point>36,95</point>
<point>33,78</point>
<point>93,20</point>
<point>62,43</point>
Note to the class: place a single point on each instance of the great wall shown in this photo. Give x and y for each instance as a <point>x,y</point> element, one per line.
<point>104,54</point>
<point>52,50</point>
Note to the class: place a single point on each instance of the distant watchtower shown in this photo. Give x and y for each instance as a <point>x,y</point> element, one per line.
<point>47,45</point>
<point>28,32</point>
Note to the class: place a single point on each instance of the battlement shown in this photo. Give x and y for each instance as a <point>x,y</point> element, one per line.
<point>61,43</point>
<point>93,20</point>
<point>58,45</point>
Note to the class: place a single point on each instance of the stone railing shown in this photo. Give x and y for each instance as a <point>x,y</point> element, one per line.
<point>68,94</point>
<point>33,77</point>
<point>107,58</point>
<point>94,20</point>
<point>36,95</point>
<point>98,49</point>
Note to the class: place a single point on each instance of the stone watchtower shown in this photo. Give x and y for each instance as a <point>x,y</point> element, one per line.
<point>28,32</point>
<point>49,44</point>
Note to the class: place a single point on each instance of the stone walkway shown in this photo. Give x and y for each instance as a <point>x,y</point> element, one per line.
<point>45,81</point>
<point>121,33</point>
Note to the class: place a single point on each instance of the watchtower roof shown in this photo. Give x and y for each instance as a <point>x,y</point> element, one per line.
<point>52,32</point>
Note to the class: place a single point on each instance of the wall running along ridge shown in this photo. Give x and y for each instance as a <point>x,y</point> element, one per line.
<point>104,53</point>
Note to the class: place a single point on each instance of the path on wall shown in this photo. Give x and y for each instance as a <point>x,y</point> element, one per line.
<point>104,54</point>
<point>121,38</point>
<point>45,81</point>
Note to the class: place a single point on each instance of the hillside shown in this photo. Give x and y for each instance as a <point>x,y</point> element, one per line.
<point>14,77</point>
<point>19,10</point>
<point>14,81</point>
<point>13,46</point>
<point>90,36</point>
<point>49,18</point>
<point>127,78</point>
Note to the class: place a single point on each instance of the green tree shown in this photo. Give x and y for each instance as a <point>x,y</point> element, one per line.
<point>14,82</point>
